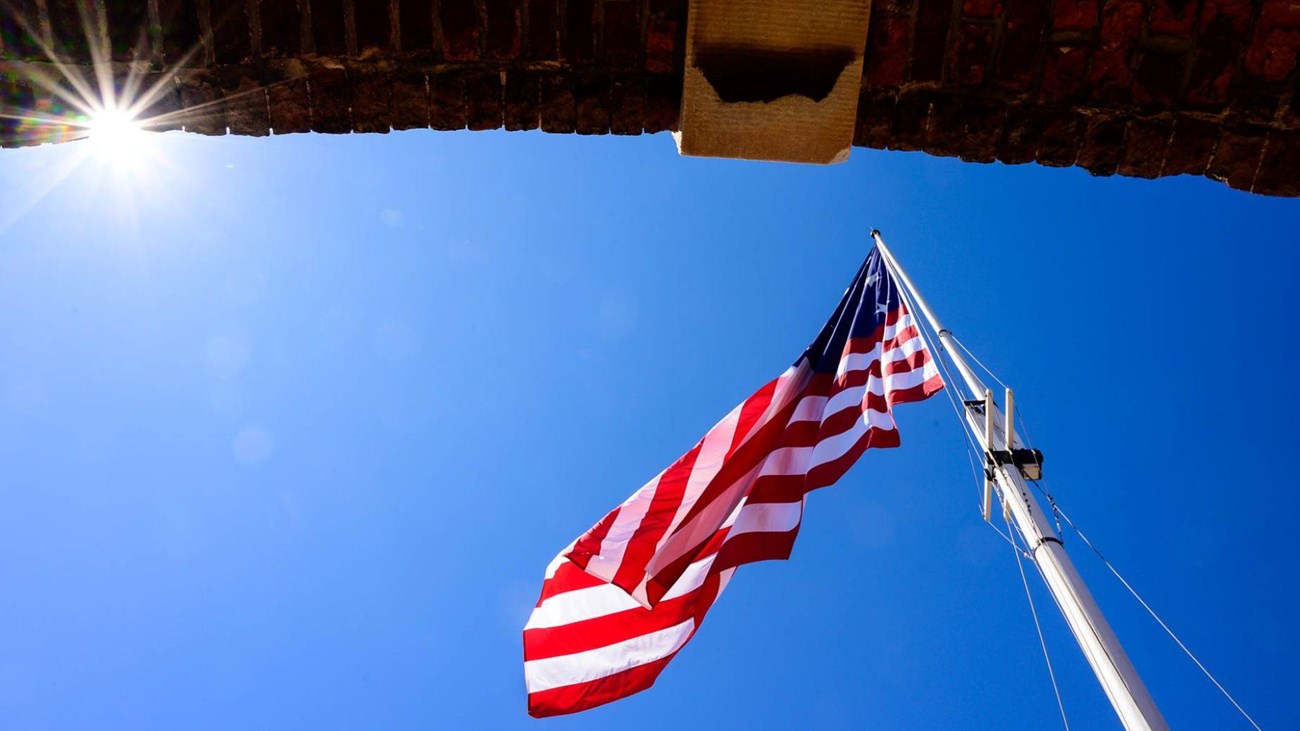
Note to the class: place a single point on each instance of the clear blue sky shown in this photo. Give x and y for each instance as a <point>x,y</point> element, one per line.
<point>290,427</point>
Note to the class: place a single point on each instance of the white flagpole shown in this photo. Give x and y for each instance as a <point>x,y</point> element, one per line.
<point>1127,694</point>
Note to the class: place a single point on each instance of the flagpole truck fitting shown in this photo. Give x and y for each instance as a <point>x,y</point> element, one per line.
<point>1008,471</point>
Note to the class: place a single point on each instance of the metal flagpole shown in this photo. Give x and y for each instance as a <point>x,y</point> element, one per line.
<point>1007,467</point>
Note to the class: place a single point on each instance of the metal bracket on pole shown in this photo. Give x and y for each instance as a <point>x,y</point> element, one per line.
<point>1009,435</point>
<point>1009,423</point>
<point>989,465</point>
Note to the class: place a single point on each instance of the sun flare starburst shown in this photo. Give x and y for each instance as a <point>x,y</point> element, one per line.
<point>117,134</point>
<point>114,109</point>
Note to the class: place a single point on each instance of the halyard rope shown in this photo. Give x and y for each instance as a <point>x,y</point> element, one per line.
<point>973,446</point>
<point>1159,621</point>
<point>1060,514</point>
<point>1051,674</point>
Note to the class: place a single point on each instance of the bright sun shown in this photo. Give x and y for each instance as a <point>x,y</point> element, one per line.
<point>117,134</point>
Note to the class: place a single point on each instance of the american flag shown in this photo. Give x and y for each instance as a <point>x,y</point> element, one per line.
<point>619,602</point>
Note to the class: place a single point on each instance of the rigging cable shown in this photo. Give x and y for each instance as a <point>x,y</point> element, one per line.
<point>938,348</point>
<point>973,447</point>
<point>970,437</point>
<point>1158,620</point>
<point>978,362</point>
<point>1041,487</point>
<point>1060,514</point>
<point>1051,674</point>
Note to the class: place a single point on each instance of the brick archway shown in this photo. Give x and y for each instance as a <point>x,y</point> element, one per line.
<point>1145,88</point>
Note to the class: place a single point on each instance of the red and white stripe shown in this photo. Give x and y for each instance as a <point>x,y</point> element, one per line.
<point>620,602</point>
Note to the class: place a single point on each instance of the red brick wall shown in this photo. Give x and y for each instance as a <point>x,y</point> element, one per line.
<point>1142,88</point>
<point>1136,87</point>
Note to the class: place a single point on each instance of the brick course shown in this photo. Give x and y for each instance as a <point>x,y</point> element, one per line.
<point>1144,88</point>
